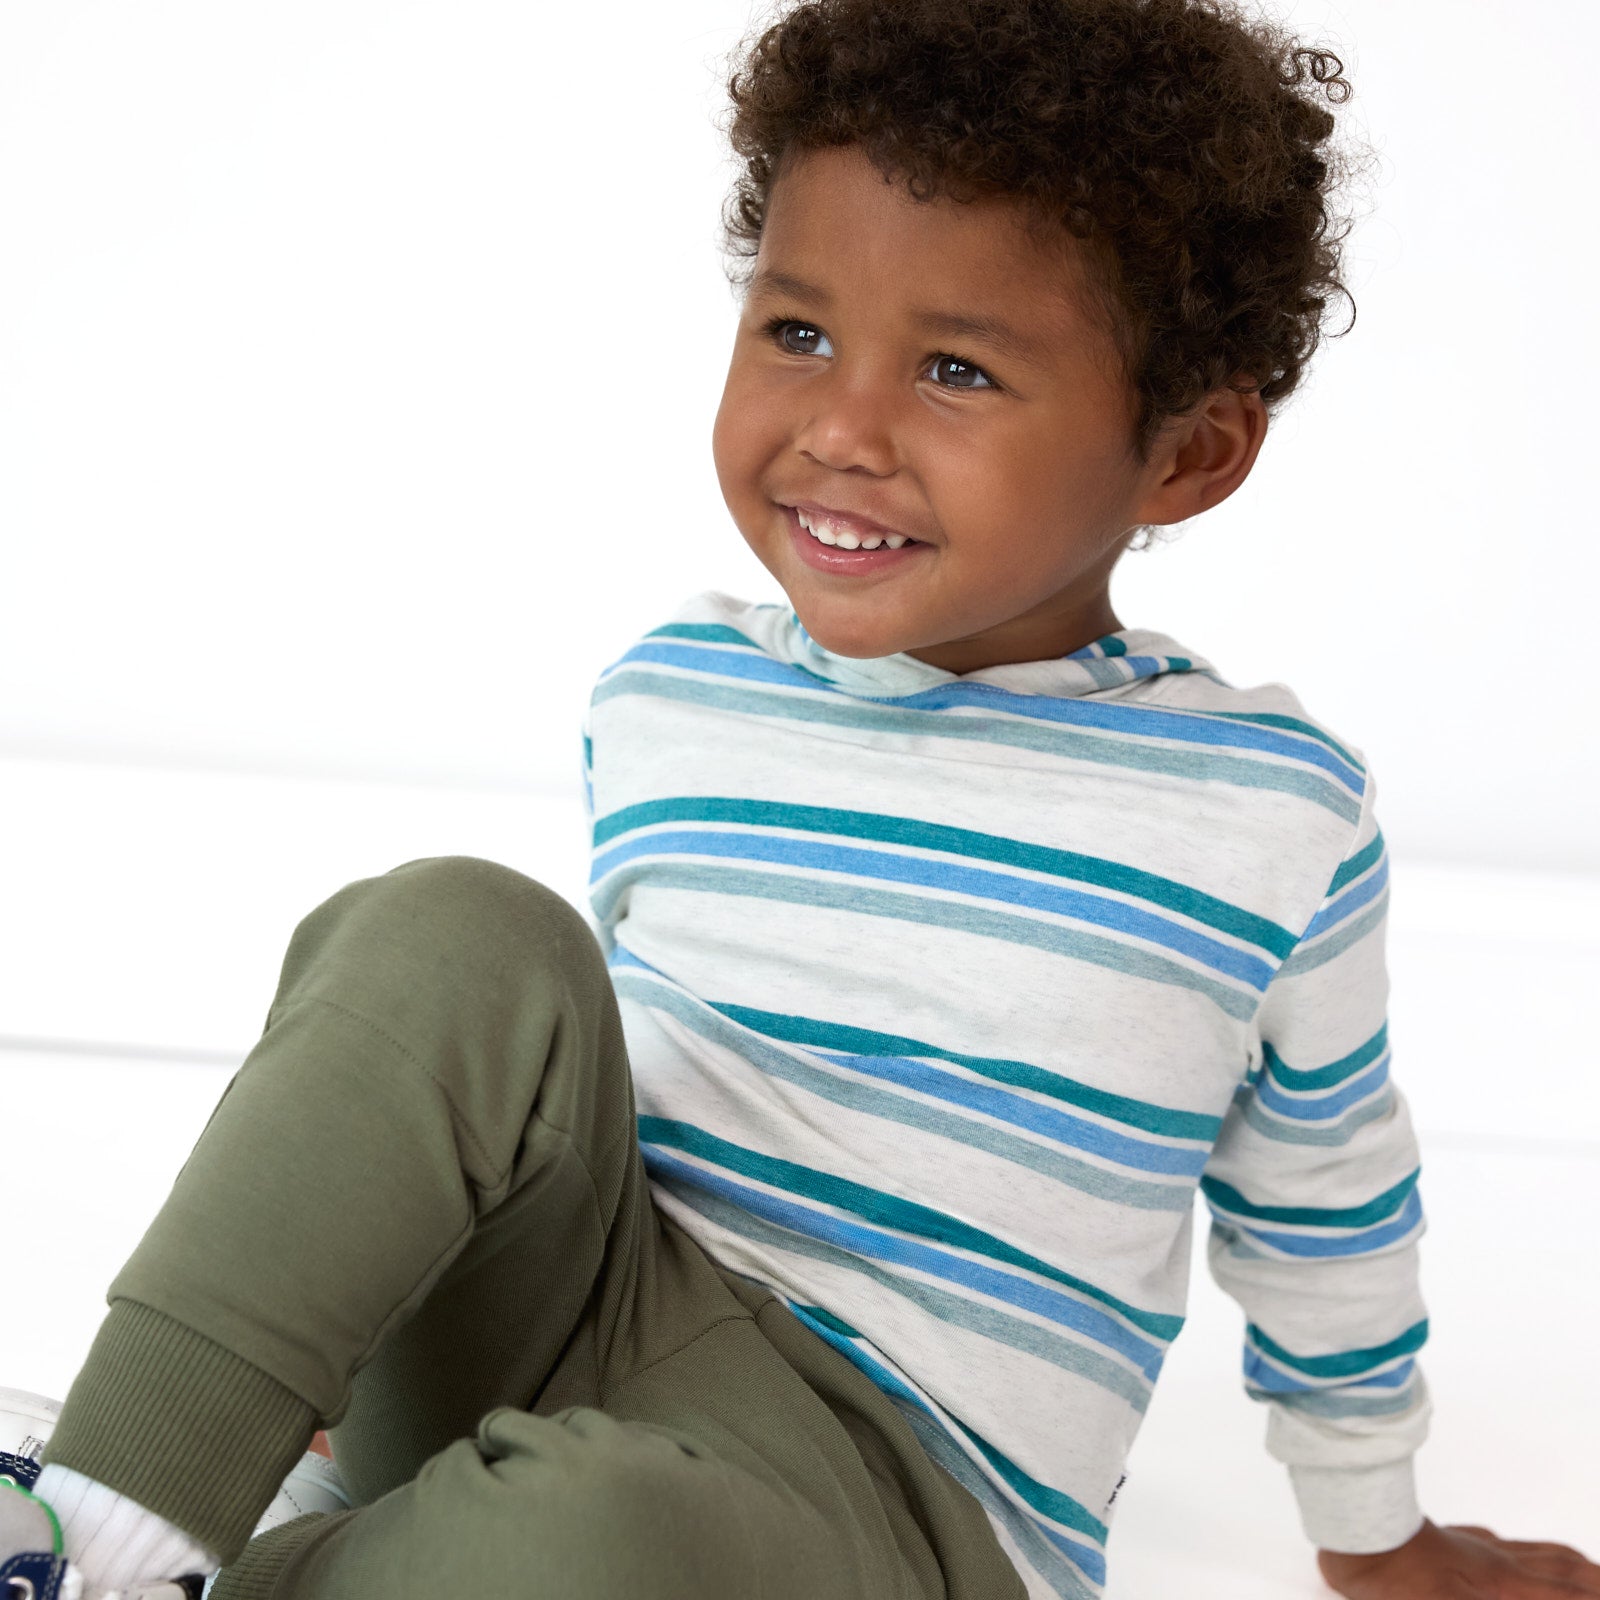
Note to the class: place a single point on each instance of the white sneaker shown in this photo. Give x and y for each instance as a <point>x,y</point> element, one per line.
<point>28,1420</point>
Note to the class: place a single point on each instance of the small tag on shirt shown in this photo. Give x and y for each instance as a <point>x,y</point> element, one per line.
<point>1114,1493</point>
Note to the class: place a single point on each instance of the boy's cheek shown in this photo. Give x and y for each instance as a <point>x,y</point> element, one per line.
<point>746,438</point>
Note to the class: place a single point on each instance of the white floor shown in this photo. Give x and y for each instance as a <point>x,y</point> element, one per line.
<point>146,913</point>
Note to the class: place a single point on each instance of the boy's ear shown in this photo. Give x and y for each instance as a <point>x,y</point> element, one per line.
<point>1204,456</point>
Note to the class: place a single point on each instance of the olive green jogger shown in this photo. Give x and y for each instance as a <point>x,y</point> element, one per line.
<point>418,1217</point>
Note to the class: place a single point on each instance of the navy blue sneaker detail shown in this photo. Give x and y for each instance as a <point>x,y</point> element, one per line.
<point>21,1470</point>
<point>33,1575</point>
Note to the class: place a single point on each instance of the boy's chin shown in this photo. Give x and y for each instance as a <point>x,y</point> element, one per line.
<point>843,639</point>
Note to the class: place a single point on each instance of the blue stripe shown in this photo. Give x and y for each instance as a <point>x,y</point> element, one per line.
<point>889,1210</point>
<point>934,1301</point>
<point>1131,959</point>
<point>1348,904</point>
<point>1024,1113</point>
<point>846,1040</point>
<point>1321,1246</point>
<point>1323,1106</point>
<point>1381,1208</point>
<point>876,1245</point>
<point>872,830</point>
<point>1395,1378</point>
<point>884,718</point>
<point>976,882</point>
<point>1331,1075</point>
<point>1027,1533</point>
<point>1041,1497</point>
<point>1260,1374</point>
<point>1359,863</point>
<point>1183,727</point>
<point>753,668</point>
<point>1091,1561</point>
<point>1341,1364</point>
<point>777,1060</point>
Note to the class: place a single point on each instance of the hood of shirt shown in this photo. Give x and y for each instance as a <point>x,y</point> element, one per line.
<point>1109,662</point>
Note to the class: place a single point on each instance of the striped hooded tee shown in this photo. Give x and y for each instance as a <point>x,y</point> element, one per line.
<point>944,993</point>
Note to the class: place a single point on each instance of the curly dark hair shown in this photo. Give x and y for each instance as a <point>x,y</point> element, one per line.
<point>1184,145</point>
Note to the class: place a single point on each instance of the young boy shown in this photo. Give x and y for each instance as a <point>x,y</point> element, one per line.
<point>954,934</point>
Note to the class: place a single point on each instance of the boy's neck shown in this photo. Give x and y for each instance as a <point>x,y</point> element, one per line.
<point>1025,639</point>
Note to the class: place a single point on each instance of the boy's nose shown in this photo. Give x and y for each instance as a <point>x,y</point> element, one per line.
<point>848,423</point>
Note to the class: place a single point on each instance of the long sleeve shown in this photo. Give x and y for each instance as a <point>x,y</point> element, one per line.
<point>1316,1219</point>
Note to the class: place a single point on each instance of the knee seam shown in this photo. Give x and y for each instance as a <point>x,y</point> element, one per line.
<point>422,1067</point>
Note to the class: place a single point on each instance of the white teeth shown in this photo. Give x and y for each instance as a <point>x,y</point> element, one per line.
<point>821,529</point>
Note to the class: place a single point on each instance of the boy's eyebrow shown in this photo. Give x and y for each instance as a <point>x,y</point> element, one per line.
<point>949,324</point>
<point>992,330</point>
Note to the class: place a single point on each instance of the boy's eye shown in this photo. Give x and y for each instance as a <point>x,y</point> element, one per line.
<point>806,339</point>
<point>954,373</point>
<point>802,339</point>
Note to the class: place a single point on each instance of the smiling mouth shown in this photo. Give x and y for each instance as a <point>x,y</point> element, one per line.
<point>844,533</point>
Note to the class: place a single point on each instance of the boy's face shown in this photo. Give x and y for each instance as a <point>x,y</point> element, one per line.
<point>926,368</point>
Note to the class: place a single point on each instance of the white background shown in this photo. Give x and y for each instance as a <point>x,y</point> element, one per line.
<point>359,361</point>
<point>357,366</point>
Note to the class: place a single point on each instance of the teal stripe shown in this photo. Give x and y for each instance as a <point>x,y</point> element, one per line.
<point>1106,674</point>
<point>881,828</point>
<point>1273,719</point>
<point>1360,862</point>
<point>828,1320</point>
<point>1346,1363</point>
<point>1332,1075</point>
<point>1340,1402</point>
<point>981,1317</point>
<point>1189,763</point>
<point>1390,1201</point>
<point>1328,1135</point>
<point>705,632</point>
<point>1111,646</point>
<point>887,1210</point>
<point>1308,957</point>
<point>819,1035</point>
<point>1053,1503</point>
<point>956,915</point>
<point>1046,1159</point>
<point>1063,1576</point>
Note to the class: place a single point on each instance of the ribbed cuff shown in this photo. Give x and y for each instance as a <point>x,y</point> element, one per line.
<point>1358,1511</point>
<point>191,1431</point>
<point>255,1574</point>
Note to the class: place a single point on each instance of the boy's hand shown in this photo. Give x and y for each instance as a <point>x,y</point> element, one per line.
<point>1462,1564</point>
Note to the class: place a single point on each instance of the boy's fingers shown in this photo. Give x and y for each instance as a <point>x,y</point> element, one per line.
<point>1552,1569</point>
<point>1566,1567</point>
<point>1550,1585</point>
<point>1553,1560</point>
